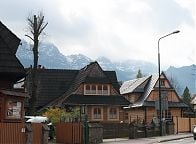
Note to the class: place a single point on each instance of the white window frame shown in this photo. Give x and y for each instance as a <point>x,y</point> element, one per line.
<point>117,114</point>
<point>96,92</point>
<point>93,114</point>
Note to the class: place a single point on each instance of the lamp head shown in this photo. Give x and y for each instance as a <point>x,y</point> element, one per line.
<point>177,31</point>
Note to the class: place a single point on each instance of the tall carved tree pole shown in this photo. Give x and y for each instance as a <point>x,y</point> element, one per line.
<point>36,25</point>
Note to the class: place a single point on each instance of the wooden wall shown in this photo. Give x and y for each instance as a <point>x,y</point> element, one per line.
<point>120,112</point>
<point>150,113</point>
<point>176,112</point>
<point>170,97</point>
<point>136,114</point>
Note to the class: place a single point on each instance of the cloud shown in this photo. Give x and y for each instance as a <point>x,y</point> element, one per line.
<point>117,29</point>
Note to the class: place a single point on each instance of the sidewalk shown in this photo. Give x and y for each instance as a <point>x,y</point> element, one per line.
<point>148,140</point>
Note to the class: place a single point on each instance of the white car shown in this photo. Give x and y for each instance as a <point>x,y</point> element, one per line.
<point>36,119</point>
<point>41,119</point>
<point>194,132</point>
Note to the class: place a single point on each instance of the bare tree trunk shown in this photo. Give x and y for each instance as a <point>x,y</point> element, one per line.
<point>36,25</point>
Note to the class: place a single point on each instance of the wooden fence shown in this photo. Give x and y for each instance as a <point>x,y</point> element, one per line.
<point>37,133</point>
<point>12,133</point>
<point>15,133</point>
<point>183,124</point>
<point>69,133</point>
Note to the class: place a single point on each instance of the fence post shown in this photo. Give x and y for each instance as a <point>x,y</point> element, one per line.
<point>29,133</point>
<point>86,130</point>
<point>45,133</point>
<point>177,123</point>
<point>189,124</point>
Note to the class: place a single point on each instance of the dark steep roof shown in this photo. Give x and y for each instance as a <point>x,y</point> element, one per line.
<point>87,74</point>
<point>76,99</point>
<point>9,64</point>
<point>113,79</point>
<point>11,40</point>
<point>56,86</point>
<point>52,83</point>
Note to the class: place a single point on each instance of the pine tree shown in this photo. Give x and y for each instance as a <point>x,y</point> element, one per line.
<point>139,74</point>
<point>186,96</point>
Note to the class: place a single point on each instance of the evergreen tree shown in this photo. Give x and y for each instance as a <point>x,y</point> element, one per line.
<point>139,74</point>
<point>186,96</point>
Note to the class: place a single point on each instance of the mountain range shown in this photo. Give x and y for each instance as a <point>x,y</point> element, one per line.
<point>50,57</point>
<point>182,77</point>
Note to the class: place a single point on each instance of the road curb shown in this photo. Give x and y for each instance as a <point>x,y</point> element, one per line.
<point>171,139</point>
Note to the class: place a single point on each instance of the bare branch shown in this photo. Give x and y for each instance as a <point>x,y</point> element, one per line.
<point>43,28</point>
<point>29,37</point>
<point>40,22</point>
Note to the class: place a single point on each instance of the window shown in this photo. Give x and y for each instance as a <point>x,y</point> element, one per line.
<point>93,91</point>
<point>105,89</point>
<point>97,113</point>
<point>88,88</point>
<point>96,89</point>
<point>132,98</point>
<point>99,89</point>
<point>162,82</point>
<point>113,113</point>
<point>126,116</point>
<point>168,114</point>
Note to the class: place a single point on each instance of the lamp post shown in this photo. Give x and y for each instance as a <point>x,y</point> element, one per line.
<point>159,70</point>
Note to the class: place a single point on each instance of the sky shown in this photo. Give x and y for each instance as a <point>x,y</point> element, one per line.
<point>116,29</point>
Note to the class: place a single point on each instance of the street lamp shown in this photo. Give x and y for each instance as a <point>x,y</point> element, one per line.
<point>159,70</point>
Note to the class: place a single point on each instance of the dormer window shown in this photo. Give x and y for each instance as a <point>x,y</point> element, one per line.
<point>105,89</point>
<point>88,89</point>
<point>93,89</point>
<point>162,82</point>
<point>99,87</point>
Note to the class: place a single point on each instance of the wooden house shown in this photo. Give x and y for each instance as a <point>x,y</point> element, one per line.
<point>11,70</point>
<point>94,90</point>
<point>143,93</point>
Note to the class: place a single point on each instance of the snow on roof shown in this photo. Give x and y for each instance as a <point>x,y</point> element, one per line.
<point>193,101</point>
<point>148,90</point>
<point>129,86</point>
